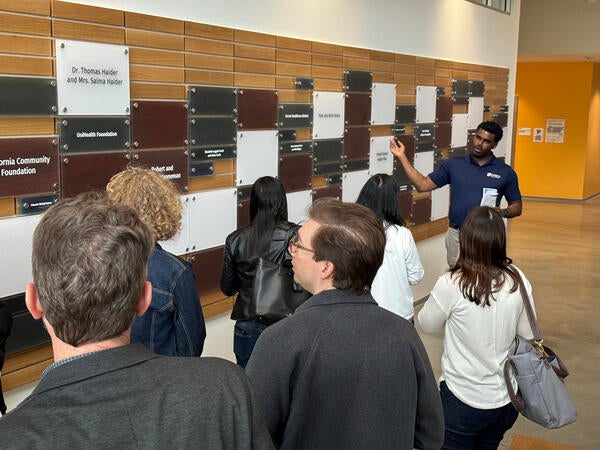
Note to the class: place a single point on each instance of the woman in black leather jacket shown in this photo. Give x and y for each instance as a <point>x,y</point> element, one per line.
<point>267,236</point>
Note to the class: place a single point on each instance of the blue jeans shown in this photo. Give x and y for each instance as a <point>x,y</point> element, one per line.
<point>245,335</point>
<point>473,428</point>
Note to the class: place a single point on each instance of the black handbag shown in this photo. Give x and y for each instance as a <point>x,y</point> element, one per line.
<point>274,293</point>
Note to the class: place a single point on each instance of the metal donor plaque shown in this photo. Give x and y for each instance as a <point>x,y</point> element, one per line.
<point>22,96</point>
<point>296,147</point>
<point>443,109</point>
<point>424,137</point>
<point>202,169</point>
<point>328,151</point>
<point>358,81</point>
<point>257,109</point>
<point>460,88</point>
<point>358,109</point>
<point>28,166</point>
<point>443,135</point>
<point>90,171</point>
<point>212,131</point>
<point>357,142</point>
<point>91,134</point>
<point>216,152</point>
<point>172,164</point>
<point>208,266</point>
<point>295,115</point>
<point>295,172</point>
<point>93,78</point>
<point>406,114</point>
<point>476,88</point>
<point>212,101</point>
<point>37,204</point>
<point>156,124</point>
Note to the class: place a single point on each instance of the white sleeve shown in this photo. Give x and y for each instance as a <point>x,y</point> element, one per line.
<point>414,268</point>
<point>437,308</point>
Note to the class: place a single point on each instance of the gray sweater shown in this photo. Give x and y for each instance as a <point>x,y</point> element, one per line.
<point>344,373</point>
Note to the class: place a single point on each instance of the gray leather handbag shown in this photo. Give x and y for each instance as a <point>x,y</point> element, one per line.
<point>542,396</point>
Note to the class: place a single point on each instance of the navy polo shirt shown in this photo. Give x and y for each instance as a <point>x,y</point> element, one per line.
<point>467,179</point>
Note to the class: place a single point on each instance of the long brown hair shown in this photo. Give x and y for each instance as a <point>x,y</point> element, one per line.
<point>482,266</point>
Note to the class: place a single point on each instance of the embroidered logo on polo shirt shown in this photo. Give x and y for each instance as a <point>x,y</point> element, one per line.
<point>493,175</point>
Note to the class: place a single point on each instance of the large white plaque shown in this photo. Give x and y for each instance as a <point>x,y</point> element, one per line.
<point>440,202</point>
<point>426,104</point>
<point>257,156</point>
<point>92,79</point>
<point>459,130</point>
<point>500,150</point>
<point>213,215</point>
<point>298,203</point>
<point>424,162</point>
<point>381,159</point>
<point>352,183</point>
<point>383,104</point>
<point>475,112</point>
<point>328,115</point>
<point>179,244</point>
<point>16,236</point>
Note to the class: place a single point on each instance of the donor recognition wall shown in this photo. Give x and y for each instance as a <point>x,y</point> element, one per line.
<point>87,91</point>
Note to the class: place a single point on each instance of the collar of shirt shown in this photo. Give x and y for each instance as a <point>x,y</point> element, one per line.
<point>65,361</point>
<point>490,161</point>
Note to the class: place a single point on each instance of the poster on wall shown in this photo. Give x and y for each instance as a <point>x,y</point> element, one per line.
<point>538,135</point>
<point>555,131</point>
<point>92,78</point>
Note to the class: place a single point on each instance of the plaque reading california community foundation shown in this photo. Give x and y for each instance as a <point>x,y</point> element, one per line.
<point>28,166</point>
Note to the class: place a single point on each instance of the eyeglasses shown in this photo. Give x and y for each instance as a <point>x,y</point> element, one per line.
<point>294,245</point>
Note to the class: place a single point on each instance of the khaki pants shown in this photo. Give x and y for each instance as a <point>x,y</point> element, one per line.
<point>452,246</point>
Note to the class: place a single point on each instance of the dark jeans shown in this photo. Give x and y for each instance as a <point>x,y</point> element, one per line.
<point>473,428</point>
<point>245,335</point>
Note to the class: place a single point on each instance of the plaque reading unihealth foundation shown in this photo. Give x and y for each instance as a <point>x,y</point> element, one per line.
<point>21,96</point>
<point>295,115</point>
<point>93,78</point>
<point>212,101</point>
<point>257,109</point>
<point>358,81</point>
<point>357,143</point>
<point>156,124</point>
<point>212,131</point>
<point>93,134</point>
<point>90,171</point>
<point>328,115</point>
<point>28,166</point>
<point>172,164</point>
<point>358,109</point>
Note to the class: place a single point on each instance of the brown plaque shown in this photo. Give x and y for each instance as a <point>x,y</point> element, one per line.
<point>443,109</point>
<point>295,172</point>
<point>334,191</point>
<point>88,172</point>
<point>28,166</point>
<point>173,164</point>
<point>157,124</point>
<point>207,266</point>
<point>357,143</point>
<point>443,135</point>
<point>257,109</point>
<point>409,145</point>
<point>243,213</point>
<point>406,203</point>
<point>358,109</point>
<point>421,211</point>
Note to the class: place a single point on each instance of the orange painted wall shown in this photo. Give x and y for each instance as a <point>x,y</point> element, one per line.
<point>591,185</point>
<point>553,91</point>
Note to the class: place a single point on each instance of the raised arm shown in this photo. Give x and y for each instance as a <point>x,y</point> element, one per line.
<point>421,182</point>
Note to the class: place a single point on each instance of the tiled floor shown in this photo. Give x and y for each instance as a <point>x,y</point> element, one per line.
<point>557,245</point>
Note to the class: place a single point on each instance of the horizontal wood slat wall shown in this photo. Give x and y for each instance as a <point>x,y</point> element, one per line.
<point>167,55</point>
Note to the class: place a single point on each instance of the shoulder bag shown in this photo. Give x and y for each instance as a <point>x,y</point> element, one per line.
<point>542,396</point>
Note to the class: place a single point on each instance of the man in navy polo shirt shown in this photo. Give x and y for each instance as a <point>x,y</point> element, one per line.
<point>478,178</point>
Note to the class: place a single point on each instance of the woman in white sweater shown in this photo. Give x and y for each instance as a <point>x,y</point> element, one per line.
<point>479,306</point>
<point>401,265</point>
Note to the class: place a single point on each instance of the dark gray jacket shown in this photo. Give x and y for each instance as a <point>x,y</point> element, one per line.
<point>128,397</point>
<point>344,373</point>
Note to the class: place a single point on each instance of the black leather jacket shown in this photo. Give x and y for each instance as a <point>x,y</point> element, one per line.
<point>239,267</point>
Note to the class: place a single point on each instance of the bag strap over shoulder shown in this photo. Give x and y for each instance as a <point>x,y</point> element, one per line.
<point>537,335</point>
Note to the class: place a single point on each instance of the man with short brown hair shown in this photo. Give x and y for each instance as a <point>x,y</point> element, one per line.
<point>343,372</point>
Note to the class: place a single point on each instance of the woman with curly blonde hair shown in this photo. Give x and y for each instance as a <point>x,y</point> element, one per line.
<point>174,324</point>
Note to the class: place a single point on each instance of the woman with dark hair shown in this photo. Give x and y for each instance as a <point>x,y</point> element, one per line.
<point>267,236</point>
<point>401,265</point>
<point>479,305</point>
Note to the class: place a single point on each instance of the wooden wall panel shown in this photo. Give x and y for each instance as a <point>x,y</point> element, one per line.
<point>22,126</point>
<point>154,39</point>
<point>292,44</point>
<point>146,22</point>
<point>19,65</point>
<point>156,57</point>
<point>208,31</point>
<point>26,45</point>
<point>157,91</point>
<point>7,207</point>
<point>13,23</point>
<point>210,77</point>
<point>85,13</point>
<point>200,45</point>
<point>254,52</point>
<point>158,74</point>
<point>194,60</point>
<point>250,37</point>
<point>39,7</point>
<point>87,32</point>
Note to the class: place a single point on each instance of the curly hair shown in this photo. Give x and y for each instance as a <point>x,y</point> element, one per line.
<point>154,197</point>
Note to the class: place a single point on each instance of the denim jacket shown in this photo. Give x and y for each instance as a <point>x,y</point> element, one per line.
<point>174,324</point>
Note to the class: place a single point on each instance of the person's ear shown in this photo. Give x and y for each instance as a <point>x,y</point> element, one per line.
<point>145,299</point>
<point>327,269</point>
<point>32,301</point>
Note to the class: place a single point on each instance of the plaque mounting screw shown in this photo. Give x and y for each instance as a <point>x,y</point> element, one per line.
<point>25,205</point>
<point>136,144</point>
<point>53,83</point>
<point>193,90</point>
<point>186,188</point>
<point>64,109</point>
<point>65,123</point>
<point>66,160</point>
<point>193,154</point>
<point>136,156</point>
<point>186,153</point>
<point>241,92</point>
<point>193,141</point>
<point>65,147</point>
<point>126,121</point>
<point>126,51</point>
<point>193,110</point>
<point>135,105</point>
<point>54,141</point>
<point>62,45</point>
<point>54,108</point>
<point>193,121</point>
<point>127,156</point>
<point>126,144</point>
<point>127,109</point>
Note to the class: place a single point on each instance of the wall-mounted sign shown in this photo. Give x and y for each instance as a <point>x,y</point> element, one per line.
<point>328,115</point>
<point>216,152</point>
<point>555,131</point>
<point>212,101</point>
<point>538,135</point>
<point>36,204</point>
<point>23,96</point>
<point>92,78</point>
<point>295,115</point>
<point>91,134</point>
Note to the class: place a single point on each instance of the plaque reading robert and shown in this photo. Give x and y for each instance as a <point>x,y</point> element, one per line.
<point>92,78</point>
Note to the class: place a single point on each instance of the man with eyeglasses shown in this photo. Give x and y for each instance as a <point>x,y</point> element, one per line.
<point>343,372</point>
